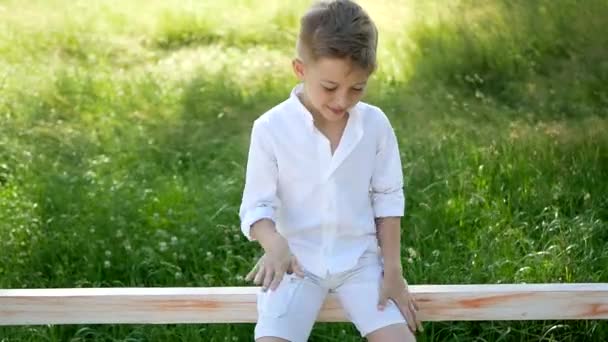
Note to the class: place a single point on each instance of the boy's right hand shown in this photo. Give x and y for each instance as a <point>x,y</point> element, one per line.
<point>272,266</point>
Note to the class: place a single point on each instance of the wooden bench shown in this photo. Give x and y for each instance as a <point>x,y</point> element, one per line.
<point>238,304</point>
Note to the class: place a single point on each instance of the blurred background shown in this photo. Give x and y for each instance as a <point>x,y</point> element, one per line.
<point>124,129</point>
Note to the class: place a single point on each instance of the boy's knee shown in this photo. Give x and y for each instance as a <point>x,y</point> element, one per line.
<point>392,333</point>
<point>270,339</point>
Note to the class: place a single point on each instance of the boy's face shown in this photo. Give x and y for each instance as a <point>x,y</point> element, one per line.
<point>332,86</point>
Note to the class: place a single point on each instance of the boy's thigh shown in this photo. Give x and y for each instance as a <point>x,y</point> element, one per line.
<point>290,311</point>
<point>359,295</point>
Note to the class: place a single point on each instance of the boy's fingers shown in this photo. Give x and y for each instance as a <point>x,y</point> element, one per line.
<point>419,325</point>
<point>289,269</point>
<point>410,317</point>
<point>403,304</point>
<point>296,268</point>
<point>253,272</point>
<point>259,276</point>
<point>414,309</point>
<point>268,279</point>
<point>416,322</point>
<point>382,301</point>
<point>414,318</point>
<point>256,268</point>
<point>278,276</point>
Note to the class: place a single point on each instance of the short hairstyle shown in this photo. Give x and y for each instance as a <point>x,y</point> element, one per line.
<point>338,29</point>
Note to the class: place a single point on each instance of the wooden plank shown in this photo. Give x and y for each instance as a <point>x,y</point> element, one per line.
<point>238,304</point>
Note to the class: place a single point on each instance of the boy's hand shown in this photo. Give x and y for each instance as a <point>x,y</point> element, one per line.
<point>395,287</point>
<point>272,266</point>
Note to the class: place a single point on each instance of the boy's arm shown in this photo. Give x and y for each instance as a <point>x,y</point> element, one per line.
<point>388,200</point>
<point>266,234</point>
<point>258,211</point>
<point>394,286</point>
<point>259,194</point>
<point>389,238</point>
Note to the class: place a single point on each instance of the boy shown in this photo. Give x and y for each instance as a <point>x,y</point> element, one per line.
<point>324,191</point>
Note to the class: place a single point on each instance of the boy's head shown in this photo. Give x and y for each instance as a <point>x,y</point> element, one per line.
<point>336,51</point>
<point>338,29</point>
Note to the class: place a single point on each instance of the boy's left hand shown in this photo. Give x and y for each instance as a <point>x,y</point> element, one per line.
<point>394,287</point>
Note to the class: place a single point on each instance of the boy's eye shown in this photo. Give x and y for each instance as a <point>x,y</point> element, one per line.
<point>334,88</point>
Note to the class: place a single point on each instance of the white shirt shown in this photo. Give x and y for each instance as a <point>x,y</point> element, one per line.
<point>323,204</point>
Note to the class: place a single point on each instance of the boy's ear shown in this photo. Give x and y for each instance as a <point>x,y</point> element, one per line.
<point>298,68</point>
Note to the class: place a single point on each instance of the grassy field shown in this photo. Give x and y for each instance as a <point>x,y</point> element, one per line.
<point>124,128</point>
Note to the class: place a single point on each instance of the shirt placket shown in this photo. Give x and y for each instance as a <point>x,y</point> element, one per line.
<point>327,201</point>
<point>331,229</point>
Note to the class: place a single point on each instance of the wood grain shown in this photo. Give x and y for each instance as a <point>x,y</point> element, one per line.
<point>238,304</point>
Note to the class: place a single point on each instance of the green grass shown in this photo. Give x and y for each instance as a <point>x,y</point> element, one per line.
<point>124,129</point>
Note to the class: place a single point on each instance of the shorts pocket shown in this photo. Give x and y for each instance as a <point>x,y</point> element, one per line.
<point>276,303</point>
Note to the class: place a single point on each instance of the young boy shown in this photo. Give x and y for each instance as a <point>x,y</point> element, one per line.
<point>324,191</point>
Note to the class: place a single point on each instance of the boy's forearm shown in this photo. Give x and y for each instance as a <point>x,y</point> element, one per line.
<point>388,230</point>
<point>264,232</point>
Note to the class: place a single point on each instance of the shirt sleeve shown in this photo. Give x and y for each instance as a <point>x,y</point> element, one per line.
<point>259,194</point>
<point>388,199</point>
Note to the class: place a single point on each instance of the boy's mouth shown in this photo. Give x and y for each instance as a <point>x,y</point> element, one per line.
<point>337,112</point>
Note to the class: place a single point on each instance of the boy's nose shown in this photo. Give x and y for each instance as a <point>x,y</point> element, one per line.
<point>341,103</point>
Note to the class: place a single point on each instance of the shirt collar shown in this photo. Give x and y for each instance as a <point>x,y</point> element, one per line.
<point>306,115</point>
<point>301,111</point>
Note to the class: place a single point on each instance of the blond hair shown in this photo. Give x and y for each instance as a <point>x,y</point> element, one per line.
<point>338,29</point>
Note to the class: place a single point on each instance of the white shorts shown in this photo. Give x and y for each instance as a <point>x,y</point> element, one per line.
<point>290,311</point>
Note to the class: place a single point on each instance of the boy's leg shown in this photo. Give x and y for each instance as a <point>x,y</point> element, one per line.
<point>271,339</point>
<point>289,312</point>
<point>399,332</point>
<point>359,294</point>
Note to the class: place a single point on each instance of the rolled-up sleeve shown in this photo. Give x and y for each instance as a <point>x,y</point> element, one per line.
<point>388,199</point>
<point>259,195</point>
